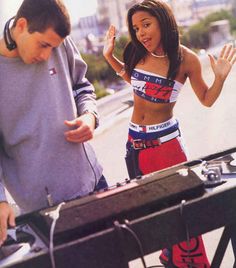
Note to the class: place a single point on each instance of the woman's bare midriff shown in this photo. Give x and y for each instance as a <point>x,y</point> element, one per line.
<point>148,113</point>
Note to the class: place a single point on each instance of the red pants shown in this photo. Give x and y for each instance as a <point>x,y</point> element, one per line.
<point>185,254</point>
<point>156,158</point>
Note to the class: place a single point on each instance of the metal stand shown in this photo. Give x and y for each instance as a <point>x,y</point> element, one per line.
<point>222,246</point>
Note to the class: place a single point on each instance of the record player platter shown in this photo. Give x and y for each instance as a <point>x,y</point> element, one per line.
<point>11,253</point>
<point>25,243</point>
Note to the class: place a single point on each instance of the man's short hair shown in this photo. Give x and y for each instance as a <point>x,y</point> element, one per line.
<point>44,14</point>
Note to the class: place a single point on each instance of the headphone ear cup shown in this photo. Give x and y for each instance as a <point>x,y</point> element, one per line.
<point>10,43</point>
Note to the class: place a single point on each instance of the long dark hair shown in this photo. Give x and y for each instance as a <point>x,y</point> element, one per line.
<point>135,51</point>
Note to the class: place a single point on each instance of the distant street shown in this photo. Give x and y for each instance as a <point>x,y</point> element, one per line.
<point>205,131</point>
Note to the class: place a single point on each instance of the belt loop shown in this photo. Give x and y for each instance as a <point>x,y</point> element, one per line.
<point>179,132</point>
<point>144,144</point>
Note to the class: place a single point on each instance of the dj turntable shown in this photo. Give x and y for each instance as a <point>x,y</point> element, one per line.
<point>21,242</point>
<point>85,226</point>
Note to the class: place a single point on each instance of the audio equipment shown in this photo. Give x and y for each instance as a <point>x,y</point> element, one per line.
<point>93,231</point>
<point>10,43</point>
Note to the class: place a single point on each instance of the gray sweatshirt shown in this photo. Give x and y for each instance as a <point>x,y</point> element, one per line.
<point>35,100</point>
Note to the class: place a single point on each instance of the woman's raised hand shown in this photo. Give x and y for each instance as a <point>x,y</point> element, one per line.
<point>109,43</point>
<point>222,66</point>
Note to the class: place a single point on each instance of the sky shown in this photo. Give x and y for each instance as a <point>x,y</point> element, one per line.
<point>80,8</point>
<point>77,8</point>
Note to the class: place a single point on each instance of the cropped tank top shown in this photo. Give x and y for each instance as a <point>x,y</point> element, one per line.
<point>154,88</point>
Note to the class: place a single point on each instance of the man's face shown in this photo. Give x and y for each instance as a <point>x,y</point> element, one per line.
<point>36,47</point>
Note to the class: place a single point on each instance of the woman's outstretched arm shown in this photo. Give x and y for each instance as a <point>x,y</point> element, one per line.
<point>109,45</point>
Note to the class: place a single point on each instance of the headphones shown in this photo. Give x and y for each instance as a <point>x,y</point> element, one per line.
<point>10,43</point>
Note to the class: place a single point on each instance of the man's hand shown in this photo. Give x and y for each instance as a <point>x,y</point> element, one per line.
<point>83,128</point>
<point>7,218</point>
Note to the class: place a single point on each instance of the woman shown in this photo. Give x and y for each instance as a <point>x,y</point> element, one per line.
<point>157,66</point>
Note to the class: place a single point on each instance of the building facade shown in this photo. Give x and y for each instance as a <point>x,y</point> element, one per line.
<point>114,12</point>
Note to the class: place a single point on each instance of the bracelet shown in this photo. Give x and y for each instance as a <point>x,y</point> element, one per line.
<point>121,72</point>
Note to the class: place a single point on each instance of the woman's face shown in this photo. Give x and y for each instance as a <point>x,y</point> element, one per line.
<point>147,29</point>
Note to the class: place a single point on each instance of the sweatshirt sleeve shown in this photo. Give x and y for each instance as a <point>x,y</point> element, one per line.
<point>83,90</point>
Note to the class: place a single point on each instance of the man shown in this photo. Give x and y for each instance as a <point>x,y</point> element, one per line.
<point>47,113</point>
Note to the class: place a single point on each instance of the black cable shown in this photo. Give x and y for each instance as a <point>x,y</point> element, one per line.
<point>138,242</point>
<point>185,225</point>
<point>190,264</point>
<point>94,173</point>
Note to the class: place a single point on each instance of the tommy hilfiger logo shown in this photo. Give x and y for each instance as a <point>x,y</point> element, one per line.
<point>143,128</point>
<point>52,71</point>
